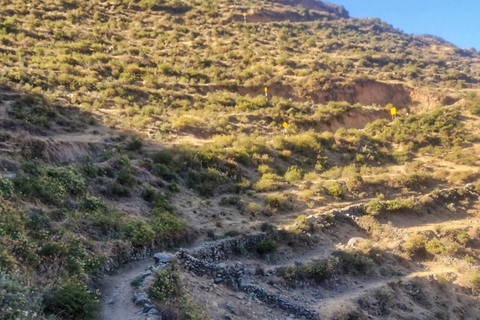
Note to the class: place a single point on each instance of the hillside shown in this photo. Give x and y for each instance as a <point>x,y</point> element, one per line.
<point>134,127</point>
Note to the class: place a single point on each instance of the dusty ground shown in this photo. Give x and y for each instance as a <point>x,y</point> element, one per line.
<point>117,293</point>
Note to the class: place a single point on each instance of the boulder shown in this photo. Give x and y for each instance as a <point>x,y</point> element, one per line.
<point>353,242</point>
<point>142,299</point>
<point>163,257</point>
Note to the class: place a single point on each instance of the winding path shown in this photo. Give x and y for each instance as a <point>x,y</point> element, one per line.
<point>117,292</point>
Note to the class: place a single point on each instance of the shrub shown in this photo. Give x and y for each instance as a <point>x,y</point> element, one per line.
<point>134,145</point>
<point>265,247</point>
<point>434,246</point>
<point>6,187</point>
<point>375,207</point>
<point>383,296</point>
<point>414,245</point>
<point>353,262</point>
<point>126,178</point>
<point>474,280</point>
<point>303,224</point>
<point>336,191</point>
<point>230,201</point>
<point>399,204</point>
<point>173,187</point>
<point>89,203</point>
<point>163,157</point>
<point>253,208</point>
<point>166,285</point>
<point>206,181</point>
<point>269,182</point>
<point>293,175</point>
<point>400,157</point>
<point>139,232</point>
<point>72,300</point>
<point>267,227</point>
<point>264,168</point>
<point>320,271</point>
<point>16,299</point>
<point>161,170</point>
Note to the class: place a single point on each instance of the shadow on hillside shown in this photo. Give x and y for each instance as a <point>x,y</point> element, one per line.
<point>432,214</point>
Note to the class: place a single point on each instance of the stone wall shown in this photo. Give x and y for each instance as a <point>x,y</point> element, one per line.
<point>449,194</point>
<point>223,249</point>
<point>238,277</point>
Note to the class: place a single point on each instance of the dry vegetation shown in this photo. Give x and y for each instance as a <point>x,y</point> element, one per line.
<point>132,125</point>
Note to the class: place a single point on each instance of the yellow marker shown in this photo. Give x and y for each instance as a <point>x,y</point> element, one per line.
<point>266,89</point>
<point>285,124</point>
<point>393,111</point>
<point>244,14</point>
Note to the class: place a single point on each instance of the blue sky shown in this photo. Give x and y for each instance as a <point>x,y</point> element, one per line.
<point>457,21</point>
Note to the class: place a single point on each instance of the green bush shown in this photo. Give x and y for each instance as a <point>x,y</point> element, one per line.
<point>274,201</point>
<point>134,145</point>
<point>161,170</point>
<point>267,246</point>
<point>72,301</point>
<point>267,227</point>
<point>167,284</point>
<point>293,175</point>
<point>317,271</point>
<point>320,271</point>
<point>434,246</point>
<point>303,224</point>
<point>16,301</point>
<point>375,207</point>
<point>6,188</point>
<point>269,182</point>
<point>230,201</point>
<point>163,157</point>
<point>139,232</point>
<point>336,191</point>
<point>165,224</point>
<point>89,203</point>
<point>414,245</point>
<point>253,208</point>
<point>353,262</point>
<point>400,157</point>
<point>474,280</point>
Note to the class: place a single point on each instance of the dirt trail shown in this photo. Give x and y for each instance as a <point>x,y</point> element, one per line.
<point>333,303</point>
<point>117,293</point>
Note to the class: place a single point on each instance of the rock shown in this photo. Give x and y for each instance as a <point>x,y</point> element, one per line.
<point>146,308</point>
<point>153,312</point>
<point>218,280</point>
<point>244,281</point>
<point>108,140</point>
<point>154,318</point>
<point>317,294</point>
<point>353,242</point>
<point>163,257</point>
<point>227,317</point>
<point>230,307</point>
<point>298,263</point>
<point>146,273</point>
<point>142,299</point>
